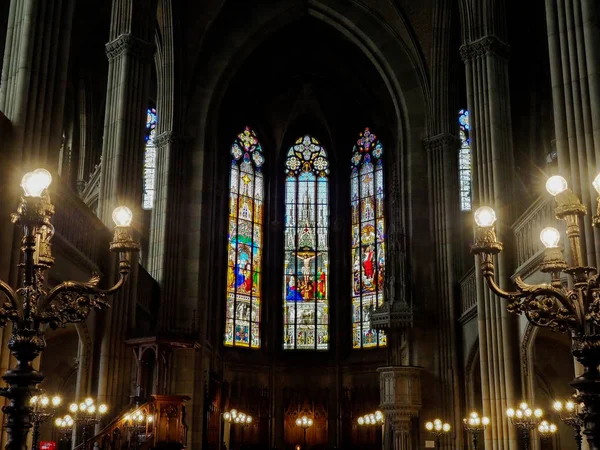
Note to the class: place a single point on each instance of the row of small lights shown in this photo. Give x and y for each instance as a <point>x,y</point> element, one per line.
<point>485,216</point>
<point>371,419</point>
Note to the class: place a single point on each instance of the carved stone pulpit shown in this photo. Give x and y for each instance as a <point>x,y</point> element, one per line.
<point>400,397</point>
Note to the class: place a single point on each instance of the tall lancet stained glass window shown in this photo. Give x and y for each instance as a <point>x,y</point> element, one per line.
<point>245,242</point>
<point>464,159</point>
<point>306,247</point>
<point>149,160</point>
<point>368,238</point>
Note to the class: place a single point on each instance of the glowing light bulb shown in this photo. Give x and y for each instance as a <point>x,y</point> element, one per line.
<point>122,216</point>
<point>91,409</point>
<point>58,422</point>
<point>485,216</point>
<point>299,422</point>
<point>429,426</point>
<point>550,237</point>
<point>538,413</point>
<point>227,416</point>
<point>519,413</point>
<point>102,409</point>
<point>44,401</point>
<point>150,419</point>
<point>558,406</point>
<point>446,427</point>
<point>34,183</point>
<point>249,419</point>
<point>56,400</point>
<point>485,421</point>
<point>234,412</point>
<point>361,421</point>
<point>510,412</point>
<point>82,407</point>
<point>523,406</point>
<point>556,184</point>
<point>570,406</point>
<point>596,183</point>
<point>89,401</point>
<point>73,407</point>
<point>310,422</point>
<point>33,400</point>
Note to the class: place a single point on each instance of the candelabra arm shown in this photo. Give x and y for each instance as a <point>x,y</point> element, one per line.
<point>496,289</point>
<point>10,294</point>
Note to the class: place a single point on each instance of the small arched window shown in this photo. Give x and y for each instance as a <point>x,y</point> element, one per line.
<point>150,160</point>
<point>464,159</point>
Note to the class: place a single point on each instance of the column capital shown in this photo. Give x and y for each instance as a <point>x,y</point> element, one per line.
<point>487,45</point>
<point>129,44</point>
<point>441,142</point>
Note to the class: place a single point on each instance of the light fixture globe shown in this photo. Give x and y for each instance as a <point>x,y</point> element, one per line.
<point>34,183</point>
<point>485,421</point>
<point>429,426</point>
<point>122,216</point>
<point>485,216</point>
<point>361,421</point>
<point>299,422</point>
<point>102,409</point>
<point>550,237</point>
<point>73,407</point>
<point>446,427</point>
<point>556,184</point>
<point>596,183</point>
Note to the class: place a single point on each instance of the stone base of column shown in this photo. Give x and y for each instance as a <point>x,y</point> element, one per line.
<point>400,402</point>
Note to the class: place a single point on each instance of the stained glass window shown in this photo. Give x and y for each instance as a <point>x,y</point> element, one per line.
<point>150,160</point>
<point>464,159</point>
<point>245,242</point>
<point>368,238</point>
<point>306,247</point>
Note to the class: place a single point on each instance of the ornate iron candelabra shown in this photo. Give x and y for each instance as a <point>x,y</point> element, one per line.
<point>370,420</point>
<point>546,431</point>
<point>86,414</point>
<point>42,409</point>
<point>438,429</point>
<point>525,419</point>
<point>574,310</point>
<point>240,418</point>
<point>570,414</point>
<point>65,425</point>
<point>475,425</point>
<point>137,424</point>
<point>305,423</point>
<point>32,305</point>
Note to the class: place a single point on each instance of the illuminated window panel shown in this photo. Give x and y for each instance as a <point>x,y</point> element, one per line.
<point>368,238</point>
<point>149,188</point>
<point>306,247</point>
<point>464,159</point>
<point>245,242</point>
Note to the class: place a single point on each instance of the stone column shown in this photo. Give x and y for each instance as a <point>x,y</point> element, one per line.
<point>130,56</point>
<point>442,151</point>
<point>486,62</point>
<point>573,30</point>
<point>400,402</point>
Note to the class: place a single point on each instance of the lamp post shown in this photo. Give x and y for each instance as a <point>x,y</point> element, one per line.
<point>31,305</point>
<point>570,414</point>
<point>475,425</point>
<point>65,425</point>
<point>370,420</point>
<point>525,419</point>
<point>574,310</point>
<point>86,414</point>
<point>438,429</point>
<point>546,430</point>
<point>305,423</point>
<point>137,423</point>
<point>240,418</point>
<point>42,409</point>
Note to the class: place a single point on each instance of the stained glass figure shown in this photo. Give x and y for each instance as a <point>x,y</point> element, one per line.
<point>368,238</point>
<point>306,247</point>
<point>464,159</point>
<point>245,242</point>
<point>150,160</point>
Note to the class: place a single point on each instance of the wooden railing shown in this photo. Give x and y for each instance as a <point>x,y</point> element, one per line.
<point>528,227</point>
<point>468,292</point>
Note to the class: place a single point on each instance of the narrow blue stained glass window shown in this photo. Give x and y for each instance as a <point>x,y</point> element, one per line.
<point>464,159</point>
<point>150,160</point>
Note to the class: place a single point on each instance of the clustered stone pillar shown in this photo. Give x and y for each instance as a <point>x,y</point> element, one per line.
<point>442,152</point>
<point>32,98</point>
<point>486,61</point>
<point>573,30</point>
<point>130,56</point>
<point>400,401</point>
